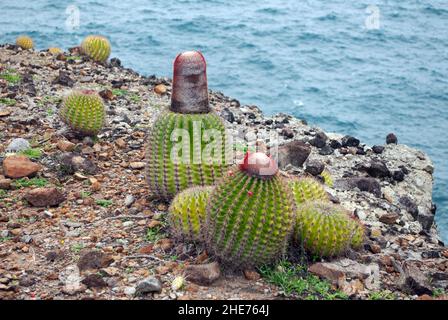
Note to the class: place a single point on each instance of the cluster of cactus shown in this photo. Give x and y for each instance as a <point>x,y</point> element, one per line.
<point>187,213</point>
<point>83,111</point>
<point>170,170</point>
<point>326,230</point>
<point>24,42</point>
<point>307,189</point>
<point>250,214</point>
<point>96,47</point>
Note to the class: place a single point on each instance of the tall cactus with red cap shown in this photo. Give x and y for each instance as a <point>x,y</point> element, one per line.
<point>250,214</point>
<point>187,144</point>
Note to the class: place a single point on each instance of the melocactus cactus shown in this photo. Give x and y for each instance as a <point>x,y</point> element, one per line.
<point>83,111</point>
<point>327,178</point>
<point>250,214</point>
<point>187,213</point>
<point>54,50</point>
<point>24,42</point>
<point>187,144</point>
<point>96,47</point>
<point>325,229</point>
<point>307,189</point>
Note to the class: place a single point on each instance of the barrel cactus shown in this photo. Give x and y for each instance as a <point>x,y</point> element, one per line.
<point>187,213</point>
<point>307,189</point>
<point>177,157</point>
<point>250,214</point>
<point>54,50</point>
<point>24,42</point>
<point>84,112</point>
<point>96,47</point>
<point>327,178</point>
<point>326,230</point>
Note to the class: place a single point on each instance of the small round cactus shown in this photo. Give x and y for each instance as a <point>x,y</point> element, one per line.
<point>96,47</point>
<point>250,214</point>
<point>326,230</point>
<point>307,189</point>
<point>84,112</point>
<point>187,146</point>
<point>24,42</point>
<point>54,50</point>
<point>327,178</point>
<point>187,213</point>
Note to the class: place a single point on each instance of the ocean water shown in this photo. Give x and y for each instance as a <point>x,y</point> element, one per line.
<point>365,68</point>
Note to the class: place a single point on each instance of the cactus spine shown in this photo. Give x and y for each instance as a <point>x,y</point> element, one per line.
<point>307,189</point>
<point>187,213</point>
<point>250,214</point>
<point>84,112</point>
<point>96,47</point>
<point>176,153</point>
<point>24,42</point>
<point>325,229</point>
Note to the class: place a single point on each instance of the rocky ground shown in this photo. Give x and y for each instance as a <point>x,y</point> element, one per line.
<point>77,220</point>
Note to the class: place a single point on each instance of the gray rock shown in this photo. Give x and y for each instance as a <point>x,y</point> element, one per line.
<point>129,200</point>
<point>150,284</point>
<point>129,291</point>
<point>18,145</point>
<point>364,184</point>
<point>413,281</point>
<point>294,152</point>
<point>314,167</point>
<point>426,218</point>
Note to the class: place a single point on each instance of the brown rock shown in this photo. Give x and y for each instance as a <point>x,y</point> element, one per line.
<point>389,218</point>
<point>65,145</point>
<point>94,260</point>
<point>425,297</point>
<point>374,248</point>
<point>107,94</point>
<point>146,249</point>
<point>94,281</point>
<point>322,270</point>
<point>137,165</point>
<point>5,184</point>
<point>45,197</point>
<point>160,89</point>
<point>18,166</point>
<point>251,275</point>
<point>203,274</point>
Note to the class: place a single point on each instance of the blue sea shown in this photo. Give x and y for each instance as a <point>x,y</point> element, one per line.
<point>364,68</point>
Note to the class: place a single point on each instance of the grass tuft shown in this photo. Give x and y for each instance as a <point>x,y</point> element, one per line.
<point>293,279</point>
<point>104,203</point>
<point>26,182</point>
<point>32,153</point>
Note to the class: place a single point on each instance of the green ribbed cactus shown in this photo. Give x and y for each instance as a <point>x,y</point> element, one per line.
<point>168,174</point>
<point>187,213</point>
<point>83,111</point>
<point>250,217</point>
<point>326,230</point>
<point>24,42</point>
<point>327,178</point>
<point>55,50</point>
<point>307,189</point>
<point>96,47</point>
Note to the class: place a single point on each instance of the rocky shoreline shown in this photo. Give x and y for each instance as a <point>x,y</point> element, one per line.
<point>105,238</point>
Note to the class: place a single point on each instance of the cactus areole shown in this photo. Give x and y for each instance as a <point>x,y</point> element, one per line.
<point>258,164</point>
<point>190,91</point>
